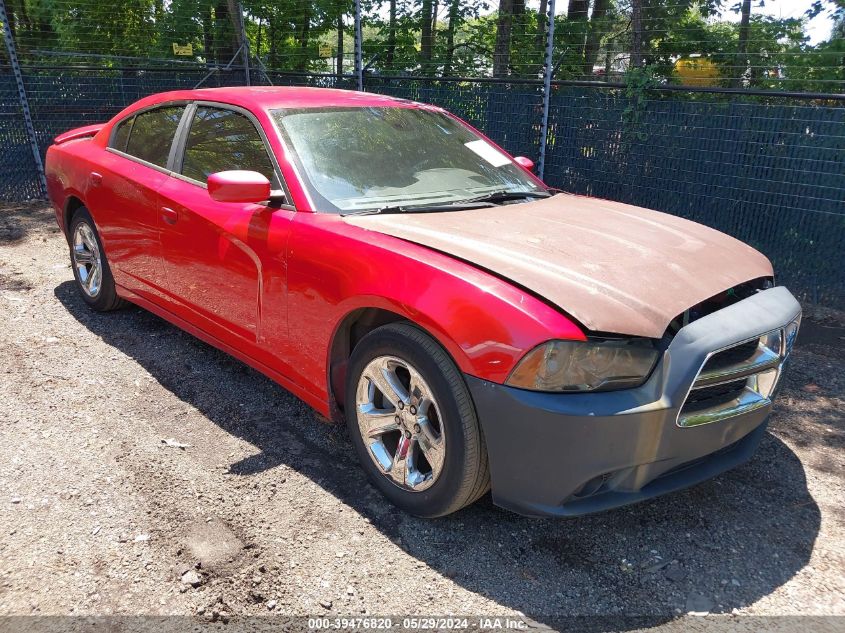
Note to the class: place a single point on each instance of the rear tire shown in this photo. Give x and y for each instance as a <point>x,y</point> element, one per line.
<point>91,270</point>
<point>413,423</point>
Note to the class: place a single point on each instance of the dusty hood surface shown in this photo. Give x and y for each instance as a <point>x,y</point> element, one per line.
<point>614,267</point>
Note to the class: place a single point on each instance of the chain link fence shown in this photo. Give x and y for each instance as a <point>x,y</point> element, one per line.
<point>732,119</point>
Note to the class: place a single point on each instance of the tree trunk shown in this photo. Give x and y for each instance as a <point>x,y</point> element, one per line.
<point>239,31</point>
<point>502,50</point>
<point>43,27</point>
<point>304,34</point>
<point>13,24</point>
<point>576,17</point>
<point>208,37</point>
<point>19,20</point>
<point>519,41</point>
<point>578,10</point>
<point>426,41</point>
<point>454,16</point>
<point>742,46</point>
<point>223,30</point>
<point>636,33</point>
<point>391,37</point>
<point>434,11</point>
<point>591,47</point>
<point>540,43</point>
<point>339,54</point>
<point>271,35</point>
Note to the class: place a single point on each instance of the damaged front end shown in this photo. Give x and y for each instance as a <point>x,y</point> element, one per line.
<point>702,410</point>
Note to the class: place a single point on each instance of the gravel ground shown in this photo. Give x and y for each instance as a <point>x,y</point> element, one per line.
<point>266,511</point>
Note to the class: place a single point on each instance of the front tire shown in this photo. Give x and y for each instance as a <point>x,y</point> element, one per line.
<point>413,423</point>
<point>91,270</point>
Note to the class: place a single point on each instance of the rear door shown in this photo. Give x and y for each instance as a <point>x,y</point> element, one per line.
<point>123,195</point>
<point>224,261</point>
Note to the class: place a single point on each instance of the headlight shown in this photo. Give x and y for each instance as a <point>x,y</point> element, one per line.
<point>585,365</point>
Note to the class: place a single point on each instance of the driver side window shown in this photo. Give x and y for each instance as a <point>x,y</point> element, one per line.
<point>220,140</point>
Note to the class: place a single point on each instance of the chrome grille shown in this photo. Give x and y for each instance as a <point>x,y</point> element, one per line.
<point>732,355</point>
<point>706,397</point>
<point>738,379</point>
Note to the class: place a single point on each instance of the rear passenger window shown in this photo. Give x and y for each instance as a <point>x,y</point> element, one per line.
<point>220,140</point>
<point>152,134</point>
<point>121,134</point>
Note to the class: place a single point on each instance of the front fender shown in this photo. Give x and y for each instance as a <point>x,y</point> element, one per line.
<point>334,269</point>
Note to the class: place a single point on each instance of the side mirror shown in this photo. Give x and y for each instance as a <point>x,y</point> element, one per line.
<point>238,186</point>
<point>525,162</point>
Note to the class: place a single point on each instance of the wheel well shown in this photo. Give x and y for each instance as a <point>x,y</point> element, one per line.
<point>355,326</point>
<point>72,205</point>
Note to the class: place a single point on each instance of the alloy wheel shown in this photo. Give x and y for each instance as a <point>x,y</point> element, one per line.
<point>86,260</point>
<point>400,423</point>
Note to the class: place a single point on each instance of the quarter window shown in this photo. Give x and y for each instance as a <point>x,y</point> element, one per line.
<point>152,134</point>
<point>121,134</point>
<point>220,140</point>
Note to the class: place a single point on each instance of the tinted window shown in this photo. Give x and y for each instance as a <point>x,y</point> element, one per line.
<point>152,134</point>
<point>220,140</point>
<point>121,134</point>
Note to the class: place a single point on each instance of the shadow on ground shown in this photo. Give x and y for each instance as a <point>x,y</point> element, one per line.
<point>19,219</point>
<point>719,546</point>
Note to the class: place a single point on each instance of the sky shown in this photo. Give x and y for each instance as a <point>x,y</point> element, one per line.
<point>818,29</point>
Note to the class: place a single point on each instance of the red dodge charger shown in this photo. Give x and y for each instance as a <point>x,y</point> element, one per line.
<point>390,265</point>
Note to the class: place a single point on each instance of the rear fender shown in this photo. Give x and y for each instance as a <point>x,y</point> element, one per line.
<point>66,174</point>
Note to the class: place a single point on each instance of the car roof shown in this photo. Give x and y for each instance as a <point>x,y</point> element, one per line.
<point>271,97</point>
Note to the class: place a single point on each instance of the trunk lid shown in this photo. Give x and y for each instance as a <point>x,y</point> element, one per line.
<point>77,133</point>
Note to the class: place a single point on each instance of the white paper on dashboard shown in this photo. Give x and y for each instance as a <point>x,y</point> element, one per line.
<point>488,153</point>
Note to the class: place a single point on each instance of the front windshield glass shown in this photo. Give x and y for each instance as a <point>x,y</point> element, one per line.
<point>368,158</point>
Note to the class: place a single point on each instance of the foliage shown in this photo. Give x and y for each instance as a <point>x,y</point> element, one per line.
<point>639,81</point>
<point>593,39</point>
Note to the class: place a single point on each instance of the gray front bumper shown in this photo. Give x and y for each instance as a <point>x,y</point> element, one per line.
<point>571,454</point>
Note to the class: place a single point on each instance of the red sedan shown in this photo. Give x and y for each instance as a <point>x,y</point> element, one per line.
<point>390,265</point>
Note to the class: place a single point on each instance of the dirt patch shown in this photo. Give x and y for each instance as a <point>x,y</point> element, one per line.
<point>10,232</point>
<point>14,283</point>
<point>17,220</point>
<point>212,544</point>
<point>268,506</point>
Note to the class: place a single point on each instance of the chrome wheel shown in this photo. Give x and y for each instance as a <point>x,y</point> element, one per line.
<point>86,260</point>
<point>400,423</point>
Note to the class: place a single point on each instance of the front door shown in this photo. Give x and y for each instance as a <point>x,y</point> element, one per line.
<point>224,261</point>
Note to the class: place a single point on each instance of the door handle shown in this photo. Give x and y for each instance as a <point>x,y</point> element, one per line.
<point>169,215</point>
<point>96,179</point>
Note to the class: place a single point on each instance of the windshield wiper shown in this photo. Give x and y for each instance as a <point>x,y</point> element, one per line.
<point>504,196</point>
<point>422,208</point>
<point>478,202</point>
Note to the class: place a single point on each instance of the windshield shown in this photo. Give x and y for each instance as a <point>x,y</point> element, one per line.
<point>369,158</point>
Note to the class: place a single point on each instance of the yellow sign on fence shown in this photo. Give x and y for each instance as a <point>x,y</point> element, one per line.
<point>697,71</point>
<point>187,49</point>
<point>325,50</point>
